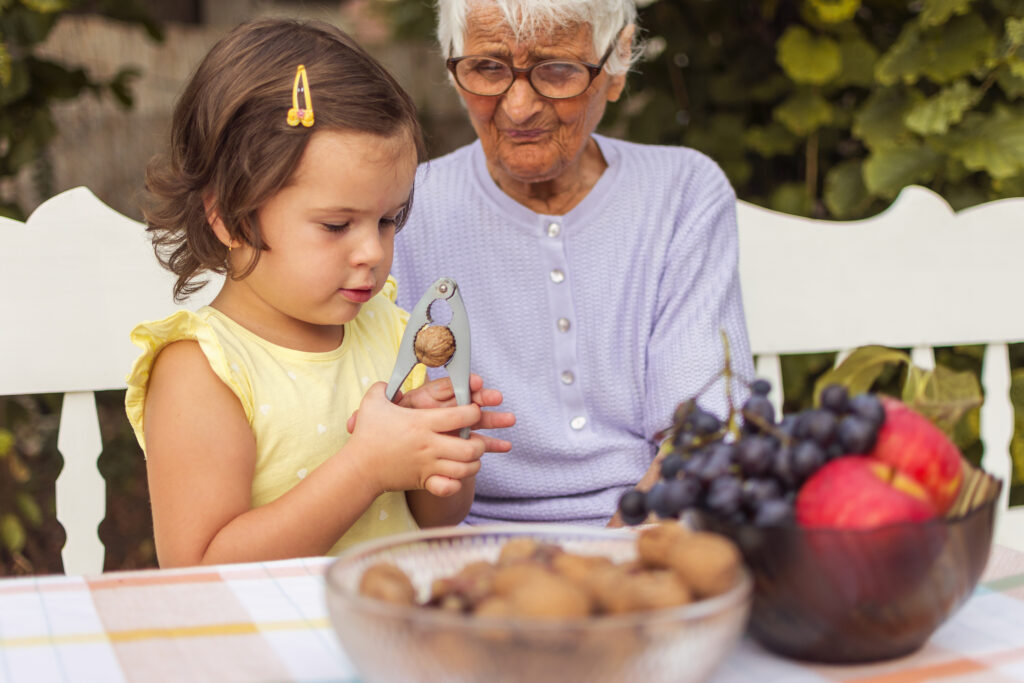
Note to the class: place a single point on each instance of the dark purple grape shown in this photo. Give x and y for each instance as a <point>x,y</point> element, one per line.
<point>856,435</point>
<point>773,513</point>
<point>754,492</point>
<point>757,406</point>
<point>671,465</point>
<point>656,501</point>
<point>782,468</point>
<point>819,425</point>
<point>721,457</point>
<point>633,507</point>
<point>704,423</point>
<point>835,398</point>
<point>724,496</point>
<point>834,450</point>
<point>760,387</point>
<point>683,494</point>
<point>755,454</point>
<point>869,407</point>
<point>808,456</point>
<point>787,424</point>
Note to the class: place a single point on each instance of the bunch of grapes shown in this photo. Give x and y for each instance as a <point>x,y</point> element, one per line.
<point>752,474</point>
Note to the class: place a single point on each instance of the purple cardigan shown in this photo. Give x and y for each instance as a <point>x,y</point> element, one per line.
<point>594,325</point>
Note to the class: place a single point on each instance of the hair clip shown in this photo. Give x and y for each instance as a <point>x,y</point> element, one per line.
<point>305,115</point>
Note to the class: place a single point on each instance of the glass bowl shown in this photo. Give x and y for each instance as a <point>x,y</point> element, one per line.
<point>388,642</point>
<point>847,595</point>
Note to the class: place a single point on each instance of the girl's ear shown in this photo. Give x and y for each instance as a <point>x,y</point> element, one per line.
<point>625,46</point>
<point>216,224</point>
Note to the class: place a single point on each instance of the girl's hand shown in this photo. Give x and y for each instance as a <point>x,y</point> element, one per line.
<point>402,449</point>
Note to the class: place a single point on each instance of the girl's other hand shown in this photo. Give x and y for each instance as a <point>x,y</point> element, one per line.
<point>403,449</point>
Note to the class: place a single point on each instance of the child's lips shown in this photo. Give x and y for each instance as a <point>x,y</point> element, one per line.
<point>359,296</point>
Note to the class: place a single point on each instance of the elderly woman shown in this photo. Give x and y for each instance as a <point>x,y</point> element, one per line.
<point>598,274</point>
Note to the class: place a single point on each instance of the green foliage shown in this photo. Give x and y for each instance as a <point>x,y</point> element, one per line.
<point>30,85</point>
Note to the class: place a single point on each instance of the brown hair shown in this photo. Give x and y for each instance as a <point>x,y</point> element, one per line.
<point>230,139</point>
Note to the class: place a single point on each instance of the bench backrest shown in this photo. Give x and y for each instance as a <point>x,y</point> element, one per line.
<point>75,279</point>
<point>916,276</point>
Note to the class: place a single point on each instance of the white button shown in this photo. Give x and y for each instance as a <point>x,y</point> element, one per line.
<point>563,325</point>
<point>568,377</point>
<point>554,229</point>
<point>557,275</point>
<point>578,422</point>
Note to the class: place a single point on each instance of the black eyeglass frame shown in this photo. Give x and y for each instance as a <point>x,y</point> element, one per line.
<point>517,72</point>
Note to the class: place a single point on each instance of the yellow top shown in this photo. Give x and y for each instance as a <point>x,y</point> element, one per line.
<point>297,402</point>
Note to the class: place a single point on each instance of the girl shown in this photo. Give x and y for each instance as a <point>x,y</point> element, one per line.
<point>290,169</point>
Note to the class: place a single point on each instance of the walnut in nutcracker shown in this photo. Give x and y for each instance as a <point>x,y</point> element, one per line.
<point>434,345</point>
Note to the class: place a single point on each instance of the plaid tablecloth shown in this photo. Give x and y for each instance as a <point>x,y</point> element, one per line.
<point>268,622</point>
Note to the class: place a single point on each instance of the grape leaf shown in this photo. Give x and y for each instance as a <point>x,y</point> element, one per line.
<point>807,58</point>
<point>860,369</point>
<point>936,114</point>
<point>942,395</point>
<point>937,12</point>
<point>804,112</point>
<point>889,170</point>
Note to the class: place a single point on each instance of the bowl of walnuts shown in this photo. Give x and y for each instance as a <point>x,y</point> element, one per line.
<point>540,603</point>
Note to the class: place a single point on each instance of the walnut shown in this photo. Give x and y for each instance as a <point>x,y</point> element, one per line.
<point>708,563</point>
<point>434,345</point>
<point>387,582</point>
<point>656,543</point>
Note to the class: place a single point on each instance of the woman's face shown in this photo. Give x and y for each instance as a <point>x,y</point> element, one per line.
<point>526,136</point>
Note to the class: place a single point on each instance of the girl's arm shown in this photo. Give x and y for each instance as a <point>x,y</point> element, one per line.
<point>201,456</point>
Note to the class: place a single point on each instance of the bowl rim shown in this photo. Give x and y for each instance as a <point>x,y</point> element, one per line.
<point>739,596</point>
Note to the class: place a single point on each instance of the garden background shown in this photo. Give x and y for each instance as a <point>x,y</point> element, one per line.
<point>824,108</point>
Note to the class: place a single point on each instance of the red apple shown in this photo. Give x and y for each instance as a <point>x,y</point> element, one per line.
<point>861,492</point>
<point>912,444</point>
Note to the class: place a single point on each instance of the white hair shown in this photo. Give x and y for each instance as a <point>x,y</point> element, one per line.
<point>526,17</point>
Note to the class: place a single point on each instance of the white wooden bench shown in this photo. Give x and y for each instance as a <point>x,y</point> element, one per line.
<point>75,278</point>
<point>916,276</point>
<point>78,276</point>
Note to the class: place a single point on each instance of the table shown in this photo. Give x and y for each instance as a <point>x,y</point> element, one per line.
<point>268,622</point>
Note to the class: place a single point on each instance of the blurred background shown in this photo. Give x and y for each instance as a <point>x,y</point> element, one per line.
<point>824,108</point>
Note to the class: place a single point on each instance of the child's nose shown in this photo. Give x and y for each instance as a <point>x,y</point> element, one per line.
<point>369,246</point>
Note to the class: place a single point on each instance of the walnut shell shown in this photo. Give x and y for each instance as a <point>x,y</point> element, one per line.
<point>708,563</point>
<point>434,345</point>
<point>385,581</point>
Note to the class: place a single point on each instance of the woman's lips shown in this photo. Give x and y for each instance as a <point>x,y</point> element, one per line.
<point>359,296</point>
<point>530,134</point>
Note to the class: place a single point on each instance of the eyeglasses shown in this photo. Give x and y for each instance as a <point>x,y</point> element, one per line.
<point>557,79</point>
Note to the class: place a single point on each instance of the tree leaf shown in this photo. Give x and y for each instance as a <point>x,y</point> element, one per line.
<point>942,54</point>
<point>835,11</point>
<point>845,193</point>
<point>858,58</point>
<point>879,121</point>
<point>6,442</point>
<point>790,198</point>
<point>990,142</point>
<point>942,395</point>
<point>1015,30</point>
<point>889,170</point>
<point>860,369</point>
<point>28,508</point>
<point>47,6</point>
<point>804,112</point>
<point>935,115</point>
<point>937,12</point>
<point>770,140</point>
<point>12,533</point>
<point>807,58</point>
<point>1011,84</point>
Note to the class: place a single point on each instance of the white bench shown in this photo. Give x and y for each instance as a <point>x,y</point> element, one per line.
<point>75,278</point>
<point>916,276</point>
<point>78,276</point>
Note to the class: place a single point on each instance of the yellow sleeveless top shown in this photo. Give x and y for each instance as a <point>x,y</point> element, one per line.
<point>297,402</point>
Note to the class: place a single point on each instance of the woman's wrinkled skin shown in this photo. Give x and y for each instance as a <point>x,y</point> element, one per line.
<point>539,150</point>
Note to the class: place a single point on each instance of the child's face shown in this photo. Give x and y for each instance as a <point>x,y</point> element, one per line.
<point>331,230</point>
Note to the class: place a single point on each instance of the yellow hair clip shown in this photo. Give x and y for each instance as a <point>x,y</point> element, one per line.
<point>305,115</point>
